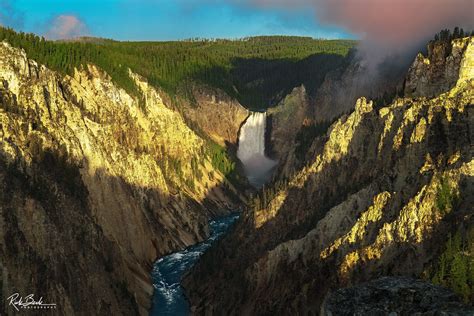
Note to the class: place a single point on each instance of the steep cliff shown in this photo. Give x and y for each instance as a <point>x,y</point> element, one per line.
<point>381,195</point>
<point>286,120</point>
<point>216,114</point>
<point>308,111</point>
<point>445,65</point>
<point>355,78</point>
<point>95,185</point>
<point>340,89</point>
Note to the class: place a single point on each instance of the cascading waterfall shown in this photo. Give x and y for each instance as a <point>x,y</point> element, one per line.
<point>251,149</point>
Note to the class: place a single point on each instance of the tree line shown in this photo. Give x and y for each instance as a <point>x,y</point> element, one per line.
<point>237,66</point>
<point>447,35</point>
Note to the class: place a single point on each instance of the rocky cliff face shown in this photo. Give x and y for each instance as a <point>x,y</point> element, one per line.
<point>393,296</point>
<point>381,195</point>
<point>217,115</point>
<point>356,78</point>
<point>95,185</point>
<point>340,89</point>
<point>445,65</point>
<point>302,116</point>
<point>286,120</point>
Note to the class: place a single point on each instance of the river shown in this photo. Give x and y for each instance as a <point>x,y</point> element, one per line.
<point>168,297</point>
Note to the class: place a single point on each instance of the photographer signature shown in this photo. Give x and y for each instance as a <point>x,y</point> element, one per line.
<point>29,301</point>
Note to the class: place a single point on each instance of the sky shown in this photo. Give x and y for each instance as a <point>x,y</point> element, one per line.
<point>163,19</point>
<point>381,25</point>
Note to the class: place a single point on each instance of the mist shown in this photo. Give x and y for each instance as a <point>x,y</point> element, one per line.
<point>66,27</point>
<point>389,23</point>
<point>394,29</point>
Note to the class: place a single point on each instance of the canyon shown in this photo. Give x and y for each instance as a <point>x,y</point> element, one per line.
<point>104,182</point>
<point>384,191</point>
<point>96,186</point>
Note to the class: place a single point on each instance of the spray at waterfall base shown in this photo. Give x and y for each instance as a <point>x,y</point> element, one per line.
<point>251,151</point>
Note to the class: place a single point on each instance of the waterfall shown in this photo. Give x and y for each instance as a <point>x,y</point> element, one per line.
<point>251,149</point>
<point>252,137</point>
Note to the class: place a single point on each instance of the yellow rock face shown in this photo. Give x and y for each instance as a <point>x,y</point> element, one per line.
<point>379,197</point>
<point>466,72</point>
<point>146,174</point>
<point>446,66</point>
<point>358,230</point>
<point>419,132</point>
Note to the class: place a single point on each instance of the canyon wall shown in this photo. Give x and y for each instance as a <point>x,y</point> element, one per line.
<point>440,70</point>
<point>307,112</point>
<point>383,192</point>
<point>216,114</point>
<point>96,184</point>
<point>356,78</point>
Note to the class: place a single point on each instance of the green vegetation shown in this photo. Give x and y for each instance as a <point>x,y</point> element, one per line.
<point>221,161</point>
<point>387,98</point>
<point>455,266</point>
<point>446,198</point>
<point>306,136</point>
<point>197,173</point>
<point>261,200</point>
<point>446,35</point>
<point>257,71</point>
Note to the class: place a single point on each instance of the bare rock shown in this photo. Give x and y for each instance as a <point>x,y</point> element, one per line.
<point>394,296</point>
<point>446,65</point>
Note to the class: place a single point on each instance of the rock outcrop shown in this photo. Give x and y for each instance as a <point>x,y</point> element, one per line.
<point>216,114</point>
<point>301,115</point>
<point>394,296</point>
<point>445,66</point>
<point>354,79</point>
<point>382,193</point>
<point>286,120</point>
<point>95,186</point>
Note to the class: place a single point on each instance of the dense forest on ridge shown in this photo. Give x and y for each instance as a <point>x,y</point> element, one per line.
<point>258,71</point>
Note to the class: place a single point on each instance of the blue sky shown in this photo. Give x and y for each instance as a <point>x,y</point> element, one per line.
<point>164,19</point>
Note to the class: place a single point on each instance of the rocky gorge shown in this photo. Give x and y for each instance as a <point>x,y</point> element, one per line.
<point>96,185</point>
<point>102,176</point>
<point>384,192</point>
